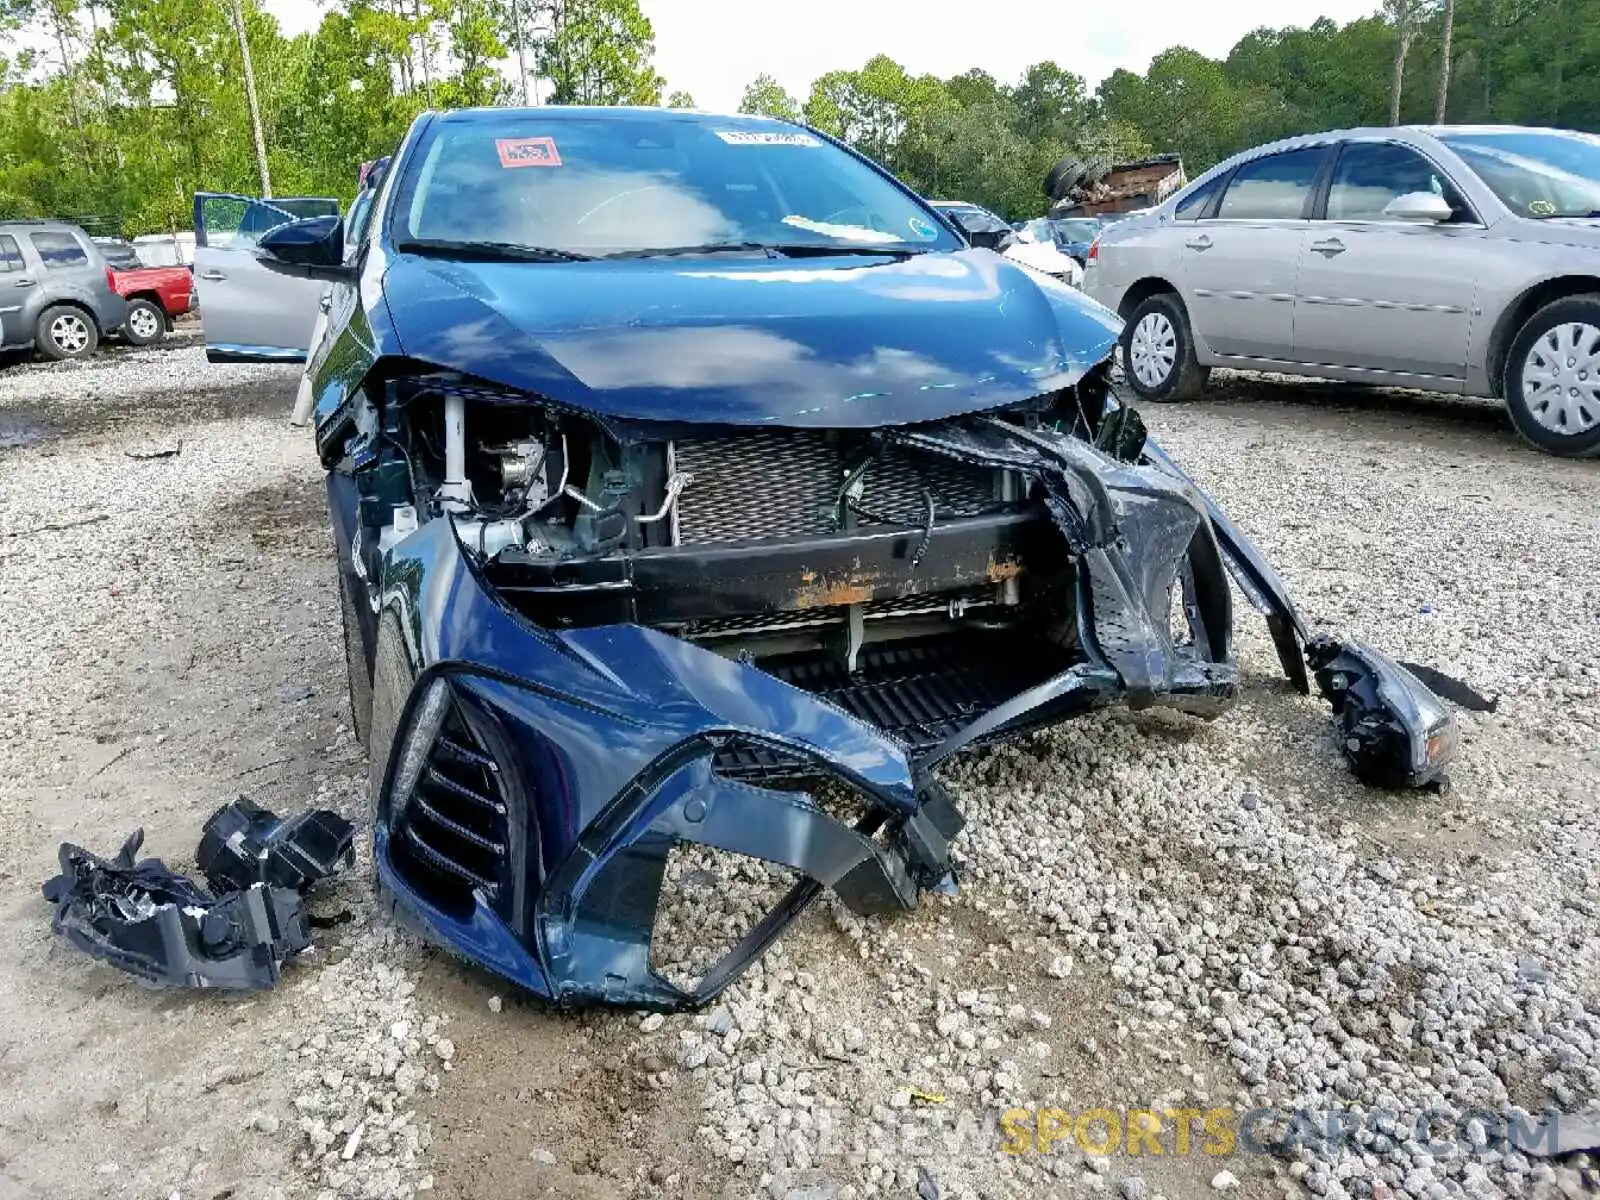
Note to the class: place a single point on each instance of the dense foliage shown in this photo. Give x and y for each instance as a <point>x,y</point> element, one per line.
<point>118,110</point>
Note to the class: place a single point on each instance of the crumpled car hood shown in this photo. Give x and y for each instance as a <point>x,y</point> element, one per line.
<point>857,342</point>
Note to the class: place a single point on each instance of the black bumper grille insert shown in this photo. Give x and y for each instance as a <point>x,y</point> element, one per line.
<point>452,832</point>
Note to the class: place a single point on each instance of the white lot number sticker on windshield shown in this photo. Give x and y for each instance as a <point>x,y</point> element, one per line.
<point>748,137</point>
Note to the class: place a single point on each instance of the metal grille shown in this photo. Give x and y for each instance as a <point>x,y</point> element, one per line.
<point>922,692</point>
<point>786,484</point>
<point>937,603</point>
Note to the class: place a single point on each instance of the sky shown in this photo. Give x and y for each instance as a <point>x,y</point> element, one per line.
<point>712,48</point>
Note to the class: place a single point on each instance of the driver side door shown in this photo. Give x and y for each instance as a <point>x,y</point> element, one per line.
<point>248,313</point>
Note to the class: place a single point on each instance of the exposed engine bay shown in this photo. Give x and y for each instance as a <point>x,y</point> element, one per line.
<point>554,724</point>
<point>910,582</point>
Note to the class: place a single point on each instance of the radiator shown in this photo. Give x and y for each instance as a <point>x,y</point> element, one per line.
<point>785,484</point>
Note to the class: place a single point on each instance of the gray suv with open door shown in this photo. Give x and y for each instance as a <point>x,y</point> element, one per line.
<point>55,290</point>
<point>1453,258</point>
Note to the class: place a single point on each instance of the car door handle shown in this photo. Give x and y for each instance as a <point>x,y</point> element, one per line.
<point>24,282</point>
<point>1328,248</point>
<point>212,274</point>
<point>1202,242</point>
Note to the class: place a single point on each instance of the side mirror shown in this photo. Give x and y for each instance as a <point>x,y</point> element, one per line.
<point>987,238</point>
<point>310,248</point>
<point>1418,208</point>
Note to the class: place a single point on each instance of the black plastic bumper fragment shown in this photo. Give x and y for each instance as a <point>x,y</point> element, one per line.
<point>244,843</point>
<point>168,931</point>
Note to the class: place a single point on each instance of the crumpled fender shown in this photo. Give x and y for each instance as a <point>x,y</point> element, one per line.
<point>1394,731</point>
<point>1256,577</point>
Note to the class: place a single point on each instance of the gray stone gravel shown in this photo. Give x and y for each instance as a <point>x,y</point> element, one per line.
<point>1156,912</point>
<point>176,644</point>
<point>1247,905</point>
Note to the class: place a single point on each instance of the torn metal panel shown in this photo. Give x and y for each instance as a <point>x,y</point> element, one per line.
<point>1138,534</point>
<point>1255,576</point>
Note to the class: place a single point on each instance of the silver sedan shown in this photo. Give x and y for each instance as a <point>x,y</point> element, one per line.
<point>1458,259</point>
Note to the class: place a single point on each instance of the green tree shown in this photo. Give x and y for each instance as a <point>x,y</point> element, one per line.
<point>680,100</point>
<point>975,153</point>
<point>1050,102</point>
<point>1405,16</point>
<point>879,109</point>
<point>764,96</point>
<point>598,52</point>
<point>973,87</point>
<point>476,44</point>
<point>1186,103</point>
<point>119,110</point>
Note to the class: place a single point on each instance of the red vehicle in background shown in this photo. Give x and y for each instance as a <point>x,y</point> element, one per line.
<point>155,295</point>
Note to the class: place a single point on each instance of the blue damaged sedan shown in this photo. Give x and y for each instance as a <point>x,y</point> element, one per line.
<point>695,484</point>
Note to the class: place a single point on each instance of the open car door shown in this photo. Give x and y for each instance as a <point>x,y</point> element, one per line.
<point>251,314</point>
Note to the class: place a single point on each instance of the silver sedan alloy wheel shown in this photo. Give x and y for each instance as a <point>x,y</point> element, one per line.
<point>1561,378</point>
<point>70,333</point>
<point>1153,349</point>
<point>143,323</point>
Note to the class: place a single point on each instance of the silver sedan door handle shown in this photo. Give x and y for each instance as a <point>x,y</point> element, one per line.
<point>1328,248</point>
<point>24,282</point>
<point>212,274</point>
<point>1203,242</point>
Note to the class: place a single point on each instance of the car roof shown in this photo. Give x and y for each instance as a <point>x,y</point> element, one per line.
<point>578,112</point>
<point>1412,134</point>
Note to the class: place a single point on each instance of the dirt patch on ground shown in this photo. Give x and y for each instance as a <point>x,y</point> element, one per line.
<point>551,1104</point>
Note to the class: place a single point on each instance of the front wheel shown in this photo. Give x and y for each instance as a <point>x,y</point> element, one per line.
<point>1552,382</point>
<point>66,332</point>
<point>355,659</point>
<point>1158,351</point>
<point>145,324</point>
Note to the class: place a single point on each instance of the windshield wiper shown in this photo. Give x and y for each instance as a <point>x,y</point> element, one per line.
<point>786,250</point>
<point>813,250</point>
<point>675,251</point>
<point>494,251</point>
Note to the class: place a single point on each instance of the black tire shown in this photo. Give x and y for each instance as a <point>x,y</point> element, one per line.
<point>355,662</point>
<point>1541,418</point>
<point>1185,378</point>
<point>65,331</point>
<point>1063,177</point>
<point>392,678</point>
<point>146,323</point>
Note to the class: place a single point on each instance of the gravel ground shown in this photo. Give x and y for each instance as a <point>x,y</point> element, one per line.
<point>1156,912</point>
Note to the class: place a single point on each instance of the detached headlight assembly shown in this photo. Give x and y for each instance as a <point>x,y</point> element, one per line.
<point>1394,731</point>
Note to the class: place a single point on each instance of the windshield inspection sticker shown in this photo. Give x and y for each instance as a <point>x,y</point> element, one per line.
<point>923,229</point>
<point>1540,208</point>
<point>527,152</point>
<point>766,137</point>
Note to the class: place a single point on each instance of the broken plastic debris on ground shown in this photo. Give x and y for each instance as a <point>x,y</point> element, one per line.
<point>237,932</point>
